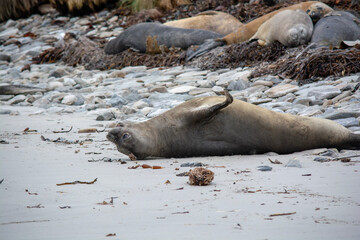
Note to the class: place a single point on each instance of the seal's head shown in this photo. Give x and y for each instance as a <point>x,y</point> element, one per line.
<point>318,10</point>
<point>298,35</point>
<point>129,141</point>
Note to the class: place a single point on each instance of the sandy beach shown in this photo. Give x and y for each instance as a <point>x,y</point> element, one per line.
<point>322,199</point>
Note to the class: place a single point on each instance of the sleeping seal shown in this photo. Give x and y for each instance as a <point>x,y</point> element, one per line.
<point>336,27</point>
<point>137,35</point>
<point>214,126</point>
<point>290,28</point>
<point>314,9</point>
<point>215,21</point>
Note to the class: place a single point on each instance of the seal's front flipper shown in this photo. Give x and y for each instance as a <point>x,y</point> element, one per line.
<point>204,48</point>
<point>206,113</point>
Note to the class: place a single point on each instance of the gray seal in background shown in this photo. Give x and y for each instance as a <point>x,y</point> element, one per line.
<point>136,37</point>
<point>334,28</point>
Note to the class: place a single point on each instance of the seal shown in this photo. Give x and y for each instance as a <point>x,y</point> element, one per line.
<point>214,21</point>
<point>137,35</point>
<point>215,126</point>
<point>17,8</point>
<point>291,28</point>
<point>330,31</point>
<point>314,9</point>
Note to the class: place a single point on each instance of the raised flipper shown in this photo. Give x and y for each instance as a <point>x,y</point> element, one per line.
<point>204,48</point>
<point>206,113</point>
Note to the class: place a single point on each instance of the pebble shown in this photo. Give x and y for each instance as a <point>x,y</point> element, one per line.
<point>107,116</point>
<point>264,168</point>
<point>5,111</point>
<point>322,159</point>
<point>181,89</point>
<point>348,122</point>
<point>319,92</point>
<point>293,163</point>
<point>17,99</point>
<point>281,90</point>
<point>69,100</point>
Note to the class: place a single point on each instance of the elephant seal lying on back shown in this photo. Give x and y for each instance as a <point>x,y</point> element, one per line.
<point>214,126</point>
<point>137,35</point>
<point>215,21</point>
<point>336,27</point>
<point>290,28</point>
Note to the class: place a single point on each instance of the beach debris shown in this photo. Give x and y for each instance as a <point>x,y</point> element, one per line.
<point>95,153</point>
<point>28,130</point>
<point>2,141</point>
<point>193,164</point>
<point>145,166</point>
<point>183,174</point>
<point>88,130</point>
<point>111,202</point>
<point>306,175</point>
<point>238,226</point>
<point>275,161</point>
<point>167,182</point>
<point>63,207</point>
<point>63,140</point>
<point>200,176</point>
<point>76,182</point>
<point>111,235</point>
<point>36,206</point>
<point>1,181</point>
<point>63,131</point>
<point>27,191</point>
<point>181,212</point>
<point>281,214</point>
<point>107,159</point>
<point>26,67</point>
<point>322,159</point>
<point>264,168</point>
<point>134,167</point>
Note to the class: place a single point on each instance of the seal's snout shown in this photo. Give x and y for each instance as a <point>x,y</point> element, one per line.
<point>112,136</point>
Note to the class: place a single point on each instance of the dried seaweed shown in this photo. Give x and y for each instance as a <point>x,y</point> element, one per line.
<point>239,55</point>
<point>313,64</point>
<point>63,131</point>
<point>63,140</point>
<point>76,182</point>
<point>281,214</point>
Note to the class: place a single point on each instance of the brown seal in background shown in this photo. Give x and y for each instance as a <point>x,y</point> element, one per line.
<point>215,21</point>
<point>314,9</point>
<point>291,28</point>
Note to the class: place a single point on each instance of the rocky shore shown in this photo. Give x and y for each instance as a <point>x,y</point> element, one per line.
<point>138,93</point>
<point>320,199</point>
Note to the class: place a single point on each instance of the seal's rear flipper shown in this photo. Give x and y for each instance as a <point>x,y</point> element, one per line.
<point>204,48</point>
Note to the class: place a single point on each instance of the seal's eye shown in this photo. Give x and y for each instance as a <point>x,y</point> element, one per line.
<point>125,136</point>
